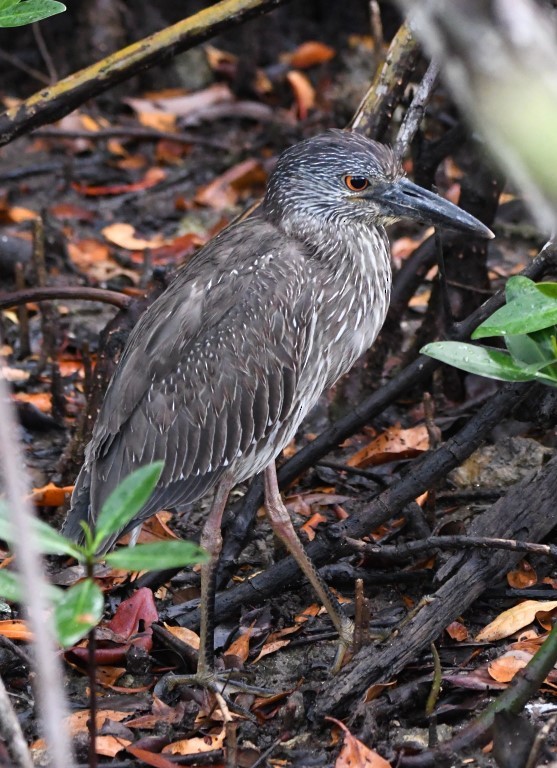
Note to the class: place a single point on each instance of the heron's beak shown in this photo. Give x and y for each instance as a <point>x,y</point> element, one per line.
<point>403,198</point>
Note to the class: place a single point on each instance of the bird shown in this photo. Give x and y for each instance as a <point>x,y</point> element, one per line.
<point>223,367</point>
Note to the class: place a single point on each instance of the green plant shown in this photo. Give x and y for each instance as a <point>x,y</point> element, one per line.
<point>79,609</point>
<point>528,325</point>
<point>15,13</point>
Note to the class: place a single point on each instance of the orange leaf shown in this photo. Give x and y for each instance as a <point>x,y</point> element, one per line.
<point>109,746</point>
<point>123,235</point>
<point>152,177</point>
<point>17,214</point>
<point>457,631</point>
<point>523,576</point>
<point>505,667</point>
<point>196,745</point>
<point>223,192</point>
<point>304,92</point>
<point>310,525</point>
<point>309,54</point>
<point>269,648</point>
<point>15,629</point>
<point>51,495</point>
<point>67,211</point>
<point>187,636</point>
<point>355,754</point>
<point>240,646</point>
<point>150,758</point>
<point>41,400</point>
<point>513,619</point>
<point>394,443</point>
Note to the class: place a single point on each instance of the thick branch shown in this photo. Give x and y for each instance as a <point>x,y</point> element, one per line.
<point>53,103</point>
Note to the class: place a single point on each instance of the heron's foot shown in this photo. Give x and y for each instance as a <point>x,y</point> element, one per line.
<point>221,684</point>
<point>345,642</point>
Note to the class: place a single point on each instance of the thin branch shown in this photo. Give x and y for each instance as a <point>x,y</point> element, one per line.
<point>416,111</point>
<point>376,109</point>
<point>78,293</point>
<point>53,103</point>
<point>427,546</point>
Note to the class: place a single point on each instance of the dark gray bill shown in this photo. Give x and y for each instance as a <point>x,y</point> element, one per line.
<point>404,198</point>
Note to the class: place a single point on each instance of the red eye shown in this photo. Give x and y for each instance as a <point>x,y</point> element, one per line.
<point>356,183</point>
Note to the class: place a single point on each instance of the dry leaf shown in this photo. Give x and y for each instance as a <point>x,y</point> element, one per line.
<point>304,92</point>
<point>240,646</point>
<point>109,746</point>
<point>51,495</point>
<point>196,745</point>
<point>272,647</point>
<point>150,758</point>
<point>309,54</point>
<point>17,214</point>
<point>514,619</point>
<point>14,375</point>
<point>505,667</point>
<point>123,235</point>
<point>355,754</point>
<point>523,576</point>
<point>15,629</point>
<point>457,631</point>
<point>394,443</point>
<point>310,525</point>
<point>41,400</point>
<point>224,191</point>
<point>187,636</point>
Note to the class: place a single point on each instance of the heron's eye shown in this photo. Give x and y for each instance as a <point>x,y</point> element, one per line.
<point>356,183</point>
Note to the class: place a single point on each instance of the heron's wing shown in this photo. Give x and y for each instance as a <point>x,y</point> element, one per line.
<point>211,370</point>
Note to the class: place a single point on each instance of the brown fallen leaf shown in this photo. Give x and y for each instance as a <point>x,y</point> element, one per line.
<point>109,746</point>
<point>522,576</point>
<point>304,92</point>
<point>354,753</point>
<point>123,235</point>
<point>150,758</point>
<point>152,177</point>
<point>506,666</point>
<point>510,621</point>
<point>15,629</point>
<point>394,443</point>
<point>224,191</point>
<point>197,744</point>
<point>310,525</point>
<point>41,400</point>
<point>51,495</point>
<point>187,636</point>
<point>309,54</point>
<point>457,631</point>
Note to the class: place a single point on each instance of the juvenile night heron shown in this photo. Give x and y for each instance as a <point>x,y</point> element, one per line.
<point>221,369</point>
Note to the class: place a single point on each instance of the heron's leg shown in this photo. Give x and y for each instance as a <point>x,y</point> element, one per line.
<point>211,541</point>
<point>220,685</point>
<point>282,526</point>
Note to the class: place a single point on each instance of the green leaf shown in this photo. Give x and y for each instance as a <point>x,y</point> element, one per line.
<point>153,557</point>
<point>79,610</point>
<point>126,501</point>
<point>530,307</point>
<point>17,14</point>
<point>493,363</point>
<point>49,540</point>
<point>10,588</point>
<point>524,349</point>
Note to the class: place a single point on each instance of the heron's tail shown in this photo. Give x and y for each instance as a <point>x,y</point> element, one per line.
<point>80,508</point>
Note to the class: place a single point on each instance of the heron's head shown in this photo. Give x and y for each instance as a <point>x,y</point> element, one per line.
<point>340,176</point>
